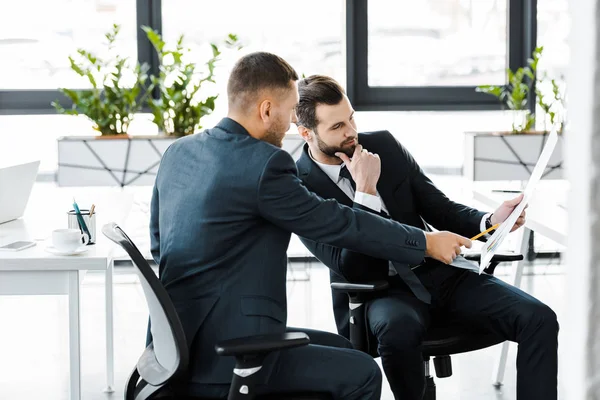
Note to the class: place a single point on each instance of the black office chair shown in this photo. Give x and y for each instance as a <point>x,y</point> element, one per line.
<point>443,338</point>
<point>165,360</point>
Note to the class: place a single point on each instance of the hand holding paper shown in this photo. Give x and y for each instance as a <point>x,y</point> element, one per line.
<point>506,209</point>
<point>516,218</point>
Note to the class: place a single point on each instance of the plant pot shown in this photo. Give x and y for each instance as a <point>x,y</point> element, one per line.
<point>112,160</point>
<point>491,156</point>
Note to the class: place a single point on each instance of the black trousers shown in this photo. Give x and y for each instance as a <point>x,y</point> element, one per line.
<point>327,365</point>
<point>399,321</point>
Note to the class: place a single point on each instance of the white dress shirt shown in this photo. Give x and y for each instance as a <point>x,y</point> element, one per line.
<point>375,203</point>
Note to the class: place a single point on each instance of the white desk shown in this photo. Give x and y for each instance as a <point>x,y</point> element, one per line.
<point>36,272</point>
<point>546,214</point>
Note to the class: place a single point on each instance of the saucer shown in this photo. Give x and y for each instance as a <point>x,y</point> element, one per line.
<point>53,250</point>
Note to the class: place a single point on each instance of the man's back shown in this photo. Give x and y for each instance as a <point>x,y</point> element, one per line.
<point>212,245</point>
<point>214,207</point>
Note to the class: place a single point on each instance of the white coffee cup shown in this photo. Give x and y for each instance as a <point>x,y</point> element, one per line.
<point>69,239</point>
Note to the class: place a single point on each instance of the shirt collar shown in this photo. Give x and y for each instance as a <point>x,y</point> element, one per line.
<point>332,171</point>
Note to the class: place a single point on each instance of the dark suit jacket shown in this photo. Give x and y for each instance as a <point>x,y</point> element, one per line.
<point>408,194</point>
<point>222,210</point>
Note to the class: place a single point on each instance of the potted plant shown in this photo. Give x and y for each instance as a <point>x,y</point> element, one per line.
<point>118,92</point>
<point>179,107</point>
<point>119,89</point>
<point>512,154</point>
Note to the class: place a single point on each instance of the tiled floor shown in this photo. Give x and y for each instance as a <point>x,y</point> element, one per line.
<point>34,347</point>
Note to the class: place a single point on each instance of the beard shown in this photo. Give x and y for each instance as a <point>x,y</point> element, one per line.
<point>276,133</point>
<point>330,151</point>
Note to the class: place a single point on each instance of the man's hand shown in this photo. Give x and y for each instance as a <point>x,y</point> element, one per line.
<point>506,209</point>
<point>365,168</point>
<point>445,246</point>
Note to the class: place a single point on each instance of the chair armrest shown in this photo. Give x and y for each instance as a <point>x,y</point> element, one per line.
<point>367,287</point>
<point>498,257</point>
<point>250,353</point>
<point>261,344</point>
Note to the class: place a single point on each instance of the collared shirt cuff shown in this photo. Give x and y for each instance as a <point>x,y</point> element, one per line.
<point>482,225</point>
<point>368,200</point>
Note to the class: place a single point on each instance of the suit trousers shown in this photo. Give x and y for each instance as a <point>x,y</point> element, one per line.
<point>327,365</point>
<point>399,322</point>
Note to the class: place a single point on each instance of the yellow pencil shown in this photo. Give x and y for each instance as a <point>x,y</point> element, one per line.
<point>484,232</point>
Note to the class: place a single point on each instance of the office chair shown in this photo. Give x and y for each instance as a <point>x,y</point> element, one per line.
<point>166,359</point>
<point>443,338</point>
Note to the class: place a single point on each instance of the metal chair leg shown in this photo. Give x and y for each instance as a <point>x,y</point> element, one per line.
<point>429,383</point>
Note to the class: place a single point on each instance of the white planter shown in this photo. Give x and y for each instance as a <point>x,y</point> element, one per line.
<point>123,161</point>
<point>94,161</point>
<point>494,156</point>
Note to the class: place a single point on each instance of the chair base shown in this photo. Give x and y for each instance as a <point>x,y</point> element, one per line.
<point>429,388</point>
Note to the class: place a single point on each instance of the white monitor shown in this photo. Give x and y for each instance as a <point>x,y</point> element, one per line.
<point>16,183</point>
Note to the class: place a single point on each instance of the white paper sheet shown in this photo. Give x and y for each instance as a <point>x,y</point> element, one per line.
<point>503,230</point>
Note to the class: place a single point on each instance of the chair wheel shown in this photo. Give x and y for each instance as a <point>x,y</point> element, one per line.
<point>443,366</point>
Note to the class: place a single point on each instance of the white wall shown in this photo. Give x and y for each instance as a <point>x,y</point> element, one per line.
<point>577,373</point>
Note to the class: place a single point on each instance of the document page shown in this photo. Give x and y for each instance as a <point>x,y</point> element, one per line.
<point>500,234</point>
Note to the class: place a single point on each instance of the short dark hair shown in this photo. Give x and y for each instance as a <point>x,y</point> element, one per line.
<point>315,90</point>
<point>255,72</point>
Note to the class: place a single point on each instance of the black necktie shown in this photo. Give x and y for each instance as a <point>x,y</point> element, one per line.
<point>413,282</point>
<point>404,271</point>
<point>344,173</point>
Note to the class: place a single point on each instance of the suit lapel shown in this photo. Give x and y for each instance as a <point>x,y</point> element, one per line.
<point>316,180</point>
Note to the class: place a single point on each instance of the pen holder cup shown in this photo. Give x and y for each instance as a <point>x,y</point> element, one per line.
<point>89,221</point>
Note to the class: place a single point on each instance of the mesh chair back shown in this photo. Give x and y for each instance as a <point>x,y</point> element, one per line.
<point>170,347</point>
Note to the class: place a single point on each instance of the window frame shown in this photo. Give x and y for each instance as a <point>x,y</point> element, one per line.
<point>521,36</point>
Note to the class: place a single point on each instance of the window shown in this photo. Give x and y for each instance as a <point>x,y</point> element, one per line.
<point>35,49</point>
<point>308,36</point>
<point>432,54</point>
<point>436,42</point>
<point>310,40</point>
<point>553,26</point>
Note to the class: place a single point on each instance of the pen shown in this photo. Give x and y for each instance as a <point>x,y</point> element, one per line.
<point>80,219</point>
<point>506,191</point>
<point>484,232</point>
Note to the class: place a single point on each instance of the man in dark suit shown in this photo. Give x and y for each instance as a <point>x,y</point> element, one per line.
<point>399,190</point>
<point>223,208</point>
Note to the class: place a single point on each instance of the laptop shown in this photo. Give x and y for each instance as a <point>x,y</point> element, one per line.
<point>16,183</point>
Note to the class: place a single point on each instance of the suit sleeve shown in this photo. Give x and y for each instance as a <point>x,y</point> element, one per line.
<point>285,202</point>
<point>434,206</point>
<point>351,265</point>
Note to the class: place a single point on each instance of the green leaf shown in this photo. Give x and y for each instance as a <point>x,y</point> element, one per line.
<point>215,50</point>
<point>491,89</point>
<point>155,38</point>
